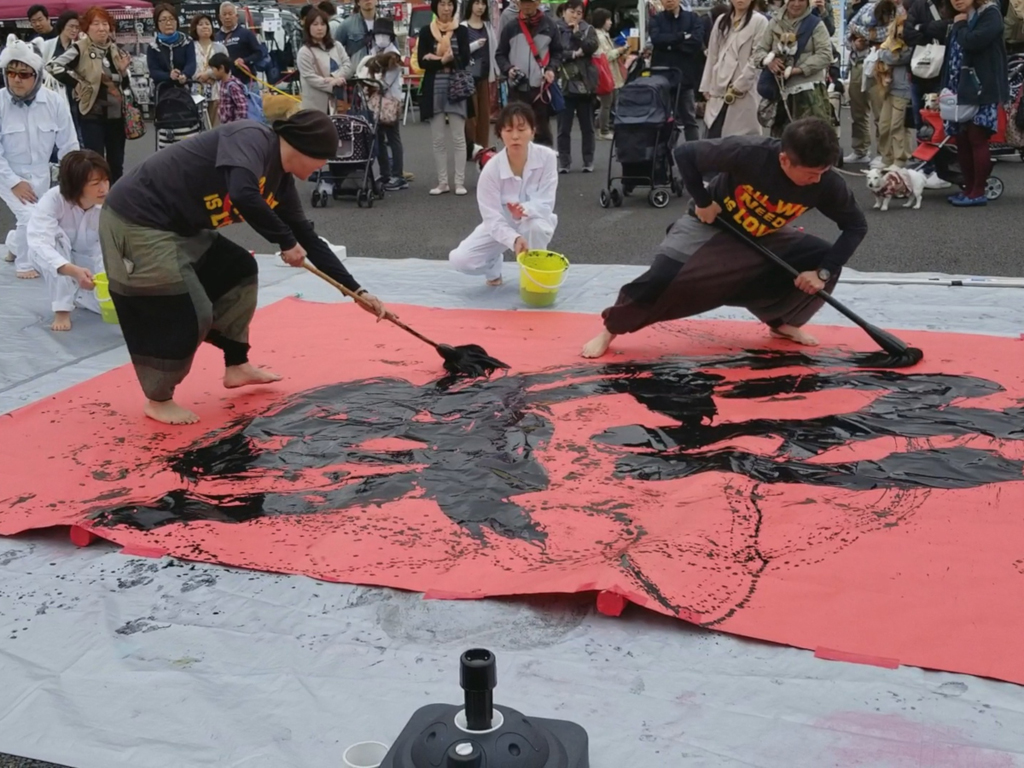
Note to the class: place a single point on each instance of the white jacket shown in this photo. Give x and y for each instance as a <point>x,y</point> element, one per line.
<point>29,134</point>
<point>536,190</point>
<point>59,229</point>
<point>392,79</point>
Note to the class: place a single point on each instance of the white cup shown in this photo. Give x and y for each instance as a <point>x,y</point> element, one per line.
<point>365,754</point>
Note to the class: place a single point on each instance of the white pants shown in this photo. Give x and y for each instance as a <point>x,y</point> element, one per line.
<point>65,294</point>
<point>17,238</point>
<point>437,133</point>
<point>480,254</point>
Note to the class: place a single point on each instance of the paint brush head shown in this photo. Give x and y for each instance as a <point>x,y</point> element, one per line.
<point>907,357</point>
<point>470,360</point>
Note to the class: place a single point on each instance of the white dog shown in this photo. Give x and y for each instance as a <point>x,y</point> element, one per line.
<point>896,182</point>
<point>931,102</point>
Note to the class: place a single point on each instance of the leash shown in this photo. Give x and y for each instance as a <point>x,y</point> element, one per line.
<point>268,85</point>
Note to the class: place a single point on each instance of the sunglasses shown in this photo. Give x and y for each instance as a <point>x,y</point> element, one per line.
<point>19,75</point>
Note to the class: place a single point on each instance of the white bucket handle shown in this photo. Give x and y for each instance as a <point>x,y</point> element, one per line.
<point>526,273</point>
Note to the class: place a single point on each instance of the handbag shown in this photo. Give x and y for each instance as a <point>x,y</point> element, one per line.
<point>386,107</point>
<point>952,111</point>
<point>134,125</point>
<point>461,85</point>
<point>926,61</point>
<point>605,81</point>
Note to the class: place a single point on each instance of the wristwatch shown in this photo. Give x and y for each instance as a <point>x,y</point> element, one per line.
<point>824,275</point>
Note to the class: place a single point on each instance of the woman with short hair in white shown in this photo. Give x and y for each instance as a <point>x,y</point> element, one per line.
<point>63,235</point>
<point>516,195</point>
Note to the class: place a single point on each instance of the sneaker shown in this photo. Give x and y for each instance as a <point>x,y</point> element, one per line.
<point>877,162</point>
<point>970,202</point>
<point>588,168</point>
<point>606,135</point>
<point>564,169</point>
<point>395,184</point>
<point>855,157</point>
<point>934,182</point>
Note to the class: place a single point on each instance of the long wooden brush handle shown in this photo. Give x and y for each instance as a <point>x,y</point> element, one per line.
<point>356,297</point>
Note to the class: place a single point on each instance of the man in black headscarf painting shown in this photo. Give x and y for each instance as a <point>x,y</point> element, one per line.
<point>175,281</point>
<point>474,449</point>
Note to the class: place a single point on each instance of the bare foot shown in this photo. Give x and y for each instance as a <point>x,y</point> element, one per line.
<point>61,321</point>
<point>598,345</point>
<point>495,281</point>
<point>246,374</point>
<point>30,274</point>
<point>9,258</point>
<point>791,333</point>
<point>169,412</point>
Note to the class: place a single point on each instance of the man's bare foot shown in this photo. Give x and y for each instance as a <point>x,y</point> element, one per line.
<point>246,374</point>
<point>61,321</point>
<point>598,345</point>
<point>792,333</point>
<point>169,412</point>
<point>29,274</point>
<point>495,281</point>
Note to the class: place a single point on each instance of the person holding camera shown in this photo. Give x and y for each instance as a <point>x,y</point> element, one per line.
<point>529,55</point>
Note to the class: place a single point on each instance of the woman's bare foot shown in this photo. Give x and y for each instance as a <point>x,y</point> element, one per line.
<point>246,375</point>
<point>495,281</point>
<point>169,412</point>
<point>29,274</point>
<point>61,321</point>
<point>10,257</point>
<point>792,333</point>
<point>598,345</point>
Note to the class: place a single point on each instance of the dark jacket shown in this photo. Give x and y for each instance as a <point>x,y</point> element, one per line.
<point>162,58</point>
<point>426,45</point>
<point>579,75</point>
<point>981,38</point>
<point>678,43</point>
<point>241,44</point>
<point>922,28</point>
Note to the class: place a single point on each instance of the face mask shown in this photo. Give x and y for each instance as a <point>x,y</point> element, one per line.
<point>382,41</point>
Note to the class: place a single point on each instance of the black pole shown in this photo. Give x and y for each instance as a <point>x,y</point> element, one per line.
<point>478,677</point>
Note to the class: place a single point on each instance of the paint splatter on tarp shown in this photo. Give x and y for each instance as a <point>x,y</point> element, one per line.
<point>766,493</point>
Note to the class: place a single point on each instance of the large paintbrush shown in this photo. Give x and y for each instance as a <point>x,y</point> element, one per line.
<point>470,360</point>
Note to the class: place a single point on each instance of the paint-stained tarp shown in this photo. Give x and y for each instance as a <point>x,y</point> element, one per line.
<point>707,474</point>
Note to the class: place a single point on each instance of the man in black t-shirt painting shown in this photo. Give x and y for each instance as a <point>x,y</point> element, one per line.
<point>176,281</point>
<point>762,186</point>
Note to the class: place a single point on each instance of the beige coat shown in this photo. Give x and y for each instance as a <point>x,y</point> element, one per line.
<point>314,66</point>
<point>729,62</point>
<point>612,53</point>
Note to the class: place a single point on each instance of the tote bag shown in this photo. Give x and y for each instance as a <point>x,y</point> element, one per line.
<point>605,81</point>
<point>926,62</point>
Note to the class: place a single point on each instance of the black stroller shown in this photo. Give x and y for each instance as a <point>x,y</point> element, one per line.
<point>351,172</point>
<point>645,133</point>
<point>178,115</point>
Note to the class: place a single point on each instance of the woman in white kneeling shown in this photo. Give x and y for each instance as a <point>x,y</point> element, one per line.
<point>63,234</point>
<point>516,195</point>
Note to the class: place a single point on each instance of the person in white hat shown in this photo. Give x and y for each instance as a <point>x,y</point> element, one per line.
<point>35,121</point>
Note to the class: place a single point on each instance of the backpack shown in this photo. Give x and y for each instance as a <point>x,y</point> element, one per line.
<point>767,84</point>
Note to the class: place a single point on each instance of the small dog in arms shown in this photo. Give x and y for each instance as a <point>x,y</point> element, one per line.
<point>896,182</point>
<point>784,49</point>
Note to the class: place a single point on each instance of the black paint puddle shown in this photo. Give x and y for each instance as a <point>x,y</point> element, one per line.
<point>470,446</point>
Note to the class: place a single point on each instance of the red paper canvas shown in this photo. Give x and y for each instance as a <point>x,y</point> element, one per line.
<point>705,472</point>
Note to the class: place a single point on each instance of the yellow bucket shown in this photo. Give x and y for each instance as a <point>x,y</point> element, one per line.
<point>102,291</point>
<point>541,274</point>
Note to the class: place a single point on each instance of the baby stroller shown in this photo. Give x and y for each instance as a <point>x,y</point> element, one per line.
<point>178,114</point>
<point>935,147</point>
<point>357,152</point>
<point>644,134</point>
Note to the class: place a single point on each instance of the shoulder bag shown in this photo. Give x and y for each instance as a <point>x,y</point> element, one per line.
<point>550,93</point>
<point>926,62</point>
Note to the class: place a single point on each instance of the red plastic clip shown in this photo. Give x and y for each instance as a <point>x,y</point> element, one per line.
<point>611,603</point>
<point>81,536</point>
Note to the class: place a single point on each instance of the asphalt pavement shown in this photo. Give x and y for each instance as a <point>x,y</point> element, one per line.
<point>412,224</point>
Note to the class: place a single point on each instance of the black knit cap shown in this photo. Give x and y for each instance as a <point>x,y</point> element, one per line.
<point>310,132</point>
